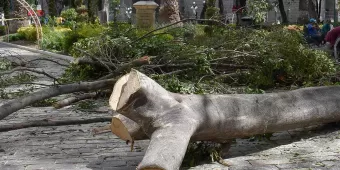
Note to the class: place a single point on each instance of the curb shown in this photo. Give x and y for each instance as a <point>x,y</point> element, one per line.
<point>60,56</point>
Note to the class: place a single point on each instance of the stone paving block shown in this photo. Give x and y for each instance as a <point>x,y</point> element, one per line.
<point>237,162</point>
<point>119,168</point>
<point>11,167</point>
<point>52,167</point>
<point>269,161</point>
<point>264,167</point>
<point>70,161</point>
<point>300,165</point>
<point>113,163</point>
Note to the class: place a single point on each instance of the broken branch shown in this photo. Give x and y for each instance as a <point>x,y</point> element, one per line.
<point>74,99</point>
<point>17,104</point>
<point>46,122</point>
<point>30,70</point>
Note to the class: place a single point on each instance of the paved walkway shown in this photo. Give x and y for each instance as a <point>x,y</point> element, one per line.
<point>74,148</point>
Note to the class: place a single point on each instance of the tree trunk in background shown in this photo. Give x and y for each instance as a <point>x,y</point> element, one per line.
<point>18,12</point>
<point>308,5</point>
<point>202,16</point>
<point>52,10</point>
<point>221,6</point>
<point>92,9</point>
<point>5,5</point>
<point>239,3</point>
<point>319,9</point>
<point>169,12</point>
<point>283,12</point>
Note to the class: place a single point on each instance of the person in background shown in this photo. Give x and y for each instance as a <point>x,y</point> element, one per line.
<point>313,31</point>
<point>327,26</point>
<point>331,37</point>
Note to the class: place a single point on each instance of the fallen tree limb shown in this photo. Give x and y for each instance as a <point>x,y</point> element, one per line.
<point>86,60</point>
<point>47,59</point>
<point>17,104</point>
<point>171,120</point>
<point>46,122</point>
<point>74,99</point>
<point>217,22</point>
<point>126,67</point>
<point>30,70</point>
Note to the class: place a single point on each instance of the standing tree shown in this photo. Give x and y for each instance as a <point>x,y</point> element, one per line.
<point>5,6</point>
<point>221,6</point>
<point>52,10</point>
<point>211,11</point>
<point>92,9</point>
<point>258,10</point>
<point>283,12</point>
<point>239,4</point>
<point>313,8</point>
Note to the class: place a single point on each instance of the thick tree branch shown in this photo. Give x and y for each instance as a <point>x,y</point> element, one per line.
<point>17,104</point>
<point>74,99</point>
<point>127,66</point>
<point>30,70</point>
<point>85,60</point>
<point>46,122</point>
<point>47,59</point>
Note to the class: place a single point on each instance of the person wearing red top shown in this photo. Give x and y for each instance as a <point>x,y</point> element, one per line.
<point>331,37</point>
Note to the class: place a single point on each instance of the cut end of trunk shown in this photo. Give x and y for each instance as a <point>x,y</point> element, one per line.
<point>136,132</point>
<point>122,92</point>
<point>119,129</point>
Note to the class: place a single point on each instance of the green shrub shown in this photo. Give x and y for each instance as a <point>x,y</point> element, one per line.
<point>54,37</point>
<point>2,30</point>
<point>86,30</point>
<point>14,37</point>
<point>69,14</point>
<point>30,33</point>
<point>71,37</point>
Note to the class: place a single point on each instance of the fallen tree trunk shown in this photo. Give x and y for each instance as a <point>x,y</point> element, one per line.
<point>19,103</point>
<point>171,120</point>
<point>46,122</point>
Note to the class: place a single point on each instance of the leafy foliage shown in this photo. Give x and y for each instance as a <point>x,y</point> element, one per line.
<point>258,9</point>
<point>69,14</point>
<point>262,58</point>
<point>30,33</point>
<point>212,12</point>
<point>54,37</point>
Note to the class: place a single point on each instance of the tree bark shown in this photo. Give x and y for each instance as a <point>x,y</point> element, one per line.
<point>283,12</point>
<point>171,120</point>
<point>46,122</point>
<point>17,104</point>
<point>308,5</point>
<point>52,10</point>
<point>221,6</point>
<point>74,99</point>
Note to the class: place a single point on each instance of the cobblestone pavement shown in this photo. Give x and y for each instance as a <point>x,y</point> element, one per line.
<point>74,148</point>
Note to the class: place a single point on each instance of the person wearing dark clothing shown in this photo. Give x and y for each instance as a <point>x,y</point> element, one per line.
<point>325,29</point>
<point>331,37</point>
<point>313,31</point>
